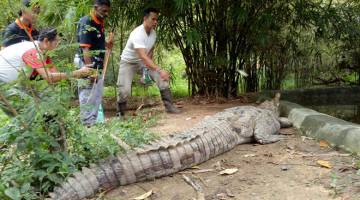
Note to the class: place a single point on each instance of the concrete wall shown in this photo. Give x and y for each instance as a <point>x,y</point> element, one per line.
<point>320,96</point>
<point>337,132</point>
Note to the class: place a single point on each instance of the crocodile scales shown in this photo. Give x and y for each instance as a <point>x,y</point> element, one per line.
<point>211,137</point>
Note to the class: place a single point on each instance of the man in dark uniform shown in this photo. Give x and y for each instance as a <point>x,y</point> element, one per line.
<point>20,30</point>
<point>91,37</point>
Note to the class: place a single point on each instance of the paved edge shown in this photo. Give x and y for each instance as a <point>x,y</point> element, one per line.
<point>337,132</point>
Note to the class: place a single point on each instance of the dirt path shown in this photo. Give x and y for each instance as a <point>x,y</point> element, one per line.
<point>286,170</point>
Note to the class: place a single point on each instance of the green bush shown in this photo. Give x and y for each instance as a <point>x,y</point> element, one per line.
<point>43,142</point>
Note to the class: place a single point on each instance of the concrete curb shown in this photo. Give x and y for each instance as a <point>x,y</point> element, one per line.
<point>337,132</point>
<point>319,96</point>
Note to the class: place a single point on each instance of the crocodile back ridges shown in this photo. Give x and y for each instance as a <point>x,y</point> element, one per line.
<point>211,137</point>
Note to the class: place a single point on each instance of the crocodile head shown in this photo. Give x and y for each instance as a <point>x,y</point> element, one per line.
<point>272,105</point>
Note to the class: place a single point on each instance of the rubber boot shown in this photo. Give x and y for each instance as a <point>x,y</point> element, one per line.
<point>167,100</point>
<point>121,107</point>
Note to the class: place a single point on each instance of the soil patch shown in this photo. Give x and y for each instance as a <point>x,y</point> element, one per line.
<point>286,170</point>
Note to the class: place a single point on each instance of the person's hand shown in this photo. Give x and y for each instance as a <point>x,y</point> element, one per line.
<point>84,72</point>
<point>164,75</point>
<point>110,42</point>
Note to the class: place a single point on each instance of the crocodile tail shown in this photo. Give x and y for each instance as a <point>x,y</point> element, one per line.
<point>87,182</point>
<point>163,157</point>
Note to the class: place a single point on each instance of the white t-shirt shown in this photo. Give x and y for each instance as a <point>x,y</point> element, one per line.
<point>11,62</point>
<point>138,39</point>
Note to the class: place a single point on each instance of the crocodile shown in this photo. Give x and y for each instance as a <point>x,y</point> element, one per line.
<point>213,136</point>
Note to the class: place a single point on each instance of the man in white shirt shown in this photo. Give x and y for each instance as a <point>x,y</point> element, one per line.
<point>138,53</point>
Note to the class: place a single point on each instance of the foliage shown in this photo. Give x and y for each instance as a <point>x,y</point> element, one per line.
<point>44,143</point>
<point>270,40</point>
<point>3,118</point>
<point>203,44</point>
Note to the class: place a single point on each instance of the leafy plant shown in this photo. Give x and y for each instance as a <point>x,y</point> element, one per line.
<point>43,142</point>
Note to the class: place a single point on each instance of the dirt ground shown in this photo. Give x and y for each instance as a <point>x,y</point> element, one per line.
<point>286,170</point>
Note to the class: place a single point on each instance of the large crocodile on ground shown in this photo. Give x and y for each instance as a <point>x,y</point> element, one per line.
<point>211,137</point>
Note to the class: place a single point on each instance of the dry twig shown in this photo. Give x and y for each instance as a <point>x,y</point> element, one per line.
<point>196,186</point>
<point>121,143</point>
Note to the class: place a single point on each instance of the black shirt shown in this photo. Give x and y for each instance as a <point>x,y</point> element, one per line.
<point>90,33</point>
<point>15,33</point>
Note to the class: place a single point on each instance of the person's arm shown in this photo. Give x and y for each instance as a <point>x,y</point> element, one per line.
<point>53,77</point>
<point>151,65</point>
<point>146,59</point>
<point>139,46</point>
<point>86,34</point>
<point>32,59</point>
<point>151,53</point>
<point>86,55</point>
<point>110,42</point>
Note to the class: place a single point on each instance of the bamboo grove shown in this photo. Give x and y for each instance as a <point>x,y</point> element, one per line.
<point>270,40</point>
<point>304,42</point>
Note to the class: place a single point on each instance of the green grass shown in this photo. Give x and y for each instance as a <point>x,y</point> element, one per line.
<point>133,131</point>
<point>175,63</point>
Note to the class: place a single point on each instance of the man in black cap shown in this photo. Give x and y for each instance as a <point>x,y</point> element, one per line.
<point>22,28</point>
<point>92,43</point>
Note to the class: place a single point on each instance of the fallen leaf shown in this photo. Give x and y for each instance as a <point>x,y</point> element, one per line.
<point>229,171</point>
<point>324,163</point>
<point>324,144</point>
<point>221,196</point>
<point>187,119</point>
<point>249,155</point>
<point>144,196</point>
